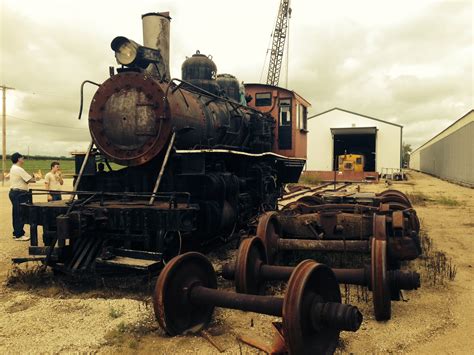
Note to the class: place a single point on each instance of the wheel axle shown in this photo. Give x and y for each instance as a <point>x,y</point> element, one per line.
<point>311,310</point>
<point>251,270</point>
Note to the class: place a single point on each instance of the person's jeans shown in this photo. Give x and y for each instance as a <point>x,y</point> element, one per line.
<point>17,197</point>
<point>56,197</point>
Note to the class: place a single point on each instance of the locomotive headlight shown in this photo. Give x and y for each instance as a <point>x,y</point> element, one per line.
<point>131,54</point>
<point>126,50</point>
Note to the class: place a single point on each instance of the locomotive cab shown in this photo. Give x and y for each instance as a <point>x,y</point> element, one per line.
<point>290,111</point>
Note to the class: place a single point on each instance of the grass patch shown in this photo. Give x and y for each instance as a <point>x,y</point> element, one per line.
<point>115,313</point>
<point>309,180</point>
<point>418,198</point>
<point>29,276</point>
<point>447,201</point>
<point>47,283</point>
<point>421,199</point>
<point>127,335</point>
<point>33,165</point>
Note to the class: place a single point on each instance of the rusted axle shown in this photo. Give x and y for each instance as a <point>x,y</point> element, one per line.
<point>401,247</point>
<point>398,280</point>
<point>353,246</point>
<point>332,314</point>
<point>254,253</point>
<point>311,310</point>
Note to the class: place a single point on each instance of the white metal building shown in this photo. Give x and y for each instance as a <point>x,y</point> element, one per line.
<point>338,131</point>
<point>450,154</point>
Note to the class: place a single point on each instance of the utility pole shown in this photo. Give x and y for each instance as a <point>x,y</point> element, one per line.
<point>4,130</point>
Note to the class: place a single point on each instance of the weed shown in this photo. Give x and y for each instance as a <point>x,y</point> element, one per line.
<point>115,312</point>
<point>417,198</point>
<point>29,276</point>
<point>309,179</point>
<point>122,327</point>
<point>133,344</point>
<point>436,266</point>
<point>447,201</point>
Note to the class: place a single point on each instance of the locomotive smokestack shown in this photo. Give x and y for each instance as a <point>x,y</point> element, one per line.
<point>156,34</point>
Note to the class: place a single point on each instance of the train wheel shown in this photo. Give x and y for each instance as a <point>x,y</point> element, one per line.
<point>173,309</point>
<point>269,231</point>
<point>251,256</point>
<point>309,282</point>
<point>381,294</point>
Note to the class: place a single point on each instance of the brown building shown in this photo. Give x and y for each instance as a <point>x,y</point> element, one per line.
<point>290,111</point>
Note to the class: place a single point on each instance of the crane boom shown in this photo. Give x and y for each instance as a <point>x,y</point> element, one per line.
<point>278,43</point>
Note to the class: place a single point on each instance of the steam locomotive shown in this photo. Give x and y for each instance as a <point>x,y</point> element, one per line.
<point>198,165</point>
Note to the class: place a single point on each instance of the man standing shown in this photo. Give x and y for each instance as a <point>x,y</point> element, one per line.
<point>53,181</point>
<point>19,180</point>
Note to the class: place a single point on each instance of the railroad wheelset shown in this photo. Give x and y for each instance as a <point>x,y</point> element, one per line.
<point>312,313</point>
<point>251,271</point>
<point>399,245</point>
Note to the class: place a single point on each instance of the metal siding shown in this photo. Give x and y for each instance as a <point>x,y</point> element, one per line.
<point>451,158</point>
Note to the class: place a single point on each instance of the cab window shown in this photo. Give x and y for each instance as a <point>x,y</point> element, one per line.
<point>263,99</point>
<point>285,112</point>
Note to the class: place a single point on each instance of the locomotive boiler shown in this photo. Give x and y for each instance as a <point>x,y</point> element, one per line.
<point>196,165</point>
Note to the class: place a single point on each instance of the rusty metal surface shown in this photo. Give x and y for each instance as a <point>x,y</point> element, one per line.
<point>310,282</point>
<point>132,117</point>
<point>311,311</point>
<point>396,195</point>
<point>380,285</point>
<point>327,225</point>
<point>250,257</point>
<point>129,118</point>
<point>355,246</point>
<point>174,311</point>
<point>269,231</point>
<point>251,272</point>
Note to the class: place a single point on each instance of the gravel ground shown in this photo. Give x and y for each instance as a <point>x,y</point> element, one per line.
<point>55,317</point>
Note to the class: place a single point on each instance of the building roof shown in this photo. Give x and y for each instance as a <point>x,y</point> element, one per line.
<point>355,113</point>
<point>440,134</point>
<point>273,87</point>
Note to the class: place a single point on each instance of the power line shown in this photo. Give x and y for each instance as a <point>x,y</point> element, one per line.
<point>45,94</point>
<point>45,124</point>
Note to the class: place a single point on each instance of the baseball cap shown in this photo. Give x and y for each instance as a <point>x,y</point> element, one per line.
<point>15,157</point>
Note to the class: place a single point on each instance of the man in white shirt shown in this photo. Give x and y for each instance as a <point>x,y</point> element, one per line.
<point>53,181</point>
<point>19,180</point>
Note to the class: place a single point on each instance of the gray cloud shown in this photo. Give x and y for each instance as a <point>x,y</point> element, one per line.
<point>414,69</point>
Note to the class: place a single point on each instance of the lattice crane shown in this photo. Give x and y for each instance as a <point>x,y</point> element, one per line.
<point>278,43</point>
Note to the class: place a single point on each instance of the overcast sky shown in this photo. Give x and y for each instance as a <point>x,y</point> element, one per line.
<point>408,62</point>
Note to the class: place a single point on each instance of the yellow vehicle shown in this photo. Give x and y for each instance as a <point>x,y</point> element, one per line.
<point>351,162</point>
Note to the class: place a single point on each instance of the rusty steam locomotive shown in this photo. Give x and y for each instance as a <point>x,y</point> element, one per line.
<point>198,165</point>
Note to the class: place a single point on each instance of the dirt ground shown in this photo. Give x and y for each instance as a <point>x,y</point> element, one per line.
<point>42,314</point>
